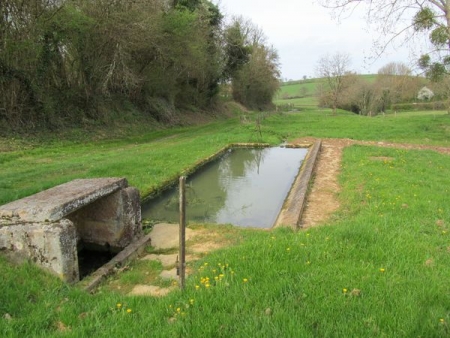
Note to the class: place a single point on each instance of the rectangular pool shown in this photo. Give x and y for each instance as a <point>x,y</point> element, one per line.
<point>244,187</point>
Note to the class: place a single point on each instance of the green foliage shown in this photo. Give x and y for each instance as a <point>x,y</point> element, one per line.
<point>420,106</point>
<point>67,62</point>
<point>439,36</point>
<point>251,66</point>
<point>237,51</point>
<point>256,83</point>
<point>424,19</point>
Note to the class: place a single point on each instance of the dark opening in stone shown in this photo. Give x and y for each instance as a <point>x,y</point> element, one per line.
<point>90,260</point>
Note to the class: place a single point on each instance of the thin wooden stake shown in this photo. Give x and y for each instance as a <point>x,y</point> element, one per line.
<point>182,246</point>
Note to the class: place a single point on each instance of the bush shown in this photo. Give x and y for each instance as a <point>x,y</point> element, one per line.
<point>438,105</point>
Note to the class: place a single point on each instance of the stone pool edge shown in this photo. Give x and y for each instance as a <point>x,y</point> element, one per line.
<point>292,210</point>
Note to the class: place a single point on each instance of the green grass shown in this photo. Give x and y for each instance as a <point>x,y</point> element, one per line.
<point>310,101</point>
<point>295,88</point>
<point>378,268</point>
<point>298,93</point>
<point>303,92</point>
<point>149,161</point>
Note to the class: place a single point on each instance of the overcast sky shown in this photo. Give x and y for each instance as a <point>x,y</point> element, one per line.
<point>302,32</point>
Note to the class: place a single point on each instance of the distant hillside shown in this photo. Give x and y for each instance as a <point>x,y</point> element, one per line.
<point>302,93</point>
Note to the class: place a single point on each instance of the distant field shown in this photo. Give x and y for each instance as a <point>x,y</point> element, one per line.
<point>303,101</point>
<point>298,93</point>
<point>369,77</point>
<point>303,92</point>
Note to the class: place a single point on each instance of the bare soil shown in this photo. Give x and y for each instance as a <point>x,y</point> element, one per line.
<point>322,200</point>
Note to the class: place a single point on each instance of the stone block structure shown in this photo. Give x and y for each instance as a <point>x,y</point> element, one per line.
<point>50,226</point>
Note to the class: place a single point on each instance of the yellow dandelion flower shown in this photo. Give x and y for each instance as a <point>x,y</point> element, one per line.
<point>288,249</point>
<point>197,287</point>
<point>191,301</point>
<point>205,264</point>
<point>221,275</point>
<point>216,278</point>
<point>128,310</point>
<point>382,270</point>
<point>119,305</point>
<point>245,280</point>
<point>442,320</point>
<point>207,285</point>
<point>344,290</point>
<point>178,309</point>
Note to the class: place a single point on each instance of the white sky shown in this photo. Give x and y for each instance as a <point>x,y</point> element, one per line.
<point>302,32</point>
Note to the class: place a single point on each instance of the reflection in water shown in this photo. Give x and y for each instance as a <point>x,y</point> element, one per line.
<point>245,187</point>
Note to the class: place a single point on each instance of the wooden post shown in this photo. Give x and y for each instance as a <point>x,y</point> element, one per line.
<point>182,246</point>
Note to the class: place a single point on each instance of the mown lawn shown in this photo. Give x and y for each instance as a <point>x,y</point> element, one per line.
<point>379,267</point>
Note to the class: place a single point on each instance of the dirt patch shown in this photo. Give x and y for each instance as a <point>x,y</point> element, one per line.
<point>206,247</point>
<point>150,290</point>
<point>322,200</point>
<point>205,238</point>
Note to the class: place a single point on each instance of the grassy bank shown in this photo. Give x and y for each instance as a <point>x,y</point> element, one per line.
<point>148,160</point>
<point>378,268</point>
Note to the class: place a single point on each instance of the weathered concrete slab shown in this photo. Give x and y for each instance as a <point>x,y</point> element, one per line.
<point>48,227</point>
<point>56,203</point>
<point>53,245</point>
<point>111,222</point>
<point>166,260</point>
<point>169,274</point>
<point>150,290</point>
<point>166,236</point>
<point>291,212</point>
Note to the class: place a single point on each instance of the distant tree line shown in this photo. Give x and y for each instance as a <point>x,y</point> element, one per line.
<point>64,61</point>
<point>394,88</point>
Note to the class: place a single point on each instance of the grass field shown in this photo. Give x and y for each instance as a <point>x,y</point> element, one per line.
<point>298,93</point>
<point>378,267</point>
<point>303,93</point>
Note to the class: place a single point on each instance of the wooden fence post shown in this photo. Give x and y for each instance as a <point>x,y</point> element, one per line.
<point>182,235</point>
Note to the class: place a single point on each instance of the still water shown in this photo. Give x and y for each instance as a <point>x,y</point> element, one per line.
<point>244,187</point>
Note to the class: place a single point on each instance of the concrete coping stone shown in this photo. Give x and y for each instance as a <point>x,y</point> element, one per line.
<point>56,203</point>
<point>294,204</point>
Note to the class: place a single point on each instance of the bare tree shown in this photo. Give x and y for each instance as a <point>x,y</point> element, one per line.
<point>400,21</point>
<point>333,69</point>
<point>395,83</point>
